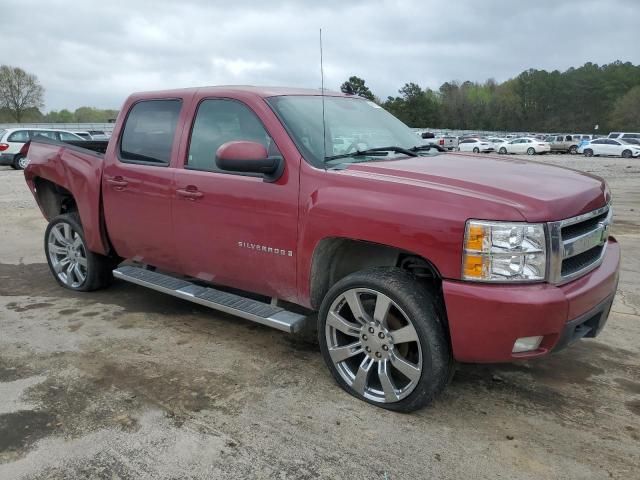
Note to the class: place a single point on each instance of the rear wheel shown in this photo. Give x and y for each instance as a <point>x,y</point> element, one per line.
<point>71,263</point>
<point>476,150</point>
<point>588,152</point>
<point>627,154</point>
<point>531,151</point>
<point>502,151</point>
<point>383,341</point>
<point>20,163</point>
<point>573,149</point>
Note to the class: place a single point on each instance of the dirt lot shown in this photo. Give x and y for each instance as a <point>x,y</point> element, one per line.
<point>127,383</point>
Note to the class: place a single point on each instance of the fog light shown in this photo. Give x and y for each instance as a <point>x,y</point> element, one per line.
<point>526,344</point>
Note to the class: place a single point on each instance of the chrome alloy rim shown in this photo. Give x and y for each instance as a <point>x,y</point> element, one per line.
<point>67,254</point>
<point>373,345</point>
<point>23,162</point>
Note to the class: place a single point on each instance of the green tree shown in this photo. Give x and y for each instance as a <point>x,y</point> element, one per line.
<point>626,112</point>
<point>20,91</point>
<point>358,86</point>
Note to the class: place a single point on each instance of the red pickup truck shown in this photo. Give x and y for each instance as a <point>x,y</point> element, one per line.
<point>247,200</point>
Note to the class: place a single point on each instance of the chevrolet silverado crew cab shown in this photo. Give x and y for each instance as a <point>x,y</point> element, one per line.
<point>237,198</point>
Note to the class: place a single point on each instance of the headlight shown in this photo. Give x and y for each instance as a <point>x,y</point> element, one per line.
<point>501,251</point>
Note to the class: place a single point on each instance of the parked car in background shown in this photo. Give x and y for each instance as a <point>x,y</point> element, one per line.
<point>496,141</point>
<point>12,140</point>
<point>623,135</point>
<point>610,147</point>
<point>476,145</point>
<point>530,146</point>
<point>448,142</point>
<point>563,143</point>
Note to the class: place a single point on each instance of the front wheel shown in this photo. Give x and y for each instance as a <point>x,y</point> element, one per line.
<point>72,264</point>
<point>531,151</point>
<point>502,151</point>
<point>573,149</point>
<point>588,152</point>
<point>383,341</point>
<point>627,154</point>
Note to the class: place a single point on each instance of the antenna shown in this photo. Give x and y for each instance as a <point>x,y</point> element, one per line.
<point>324,127</point>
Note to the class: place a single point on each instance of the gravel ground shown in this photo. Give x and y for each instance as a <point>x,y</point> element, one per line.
<point>127,383</point>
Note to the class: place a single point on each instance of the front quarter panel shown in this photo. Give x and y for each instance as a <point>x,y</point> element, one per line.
<point>406,215</point>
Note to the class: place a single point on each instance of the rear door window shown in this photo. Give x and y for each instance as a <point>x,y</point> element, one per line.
<point>149,132</point>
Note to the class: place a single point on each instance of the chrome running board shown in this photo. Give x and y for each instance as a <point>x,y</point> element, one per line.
<point>247,308</point>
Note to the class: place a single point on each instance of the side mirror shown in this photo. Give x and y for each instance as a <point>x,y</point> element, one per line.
<point>249,157</point>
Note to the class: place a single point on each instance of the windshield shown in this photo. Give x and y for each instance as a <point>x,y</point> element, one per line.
<point>352,124</point>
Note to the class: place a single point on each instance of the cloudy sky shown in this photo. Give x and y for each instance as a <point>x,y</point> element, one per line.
<point>95,53</point>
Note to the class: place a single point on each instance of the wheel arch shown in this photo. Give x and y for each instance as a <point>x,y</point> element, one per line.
<point>336,257</point>
<point>54,199</point>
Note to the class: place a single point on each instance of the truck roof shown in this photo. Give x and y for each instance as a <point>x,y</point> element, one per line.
<point>260,91</point>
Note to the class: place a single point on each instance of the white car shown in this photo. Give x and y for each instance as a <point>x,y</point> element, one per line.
<point>610,147</point>
<point>497,141</point>
<point>12,140</point>
<point>530,146</point>
<point>475,145</point>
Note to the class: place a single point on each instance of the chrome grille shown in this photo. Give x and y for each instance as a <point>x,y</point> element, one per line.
<point>578,244</point>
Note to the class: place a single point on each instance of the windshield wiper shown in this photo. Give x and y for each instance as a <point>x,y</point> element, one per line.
<point>378,151</point>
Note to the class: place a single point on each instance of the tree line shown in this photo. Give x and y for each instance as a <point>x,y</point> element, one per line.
<point>575,100</point>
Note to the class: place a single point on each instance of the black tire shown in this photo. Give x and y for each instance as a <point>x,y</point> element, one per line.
<point>588,152</point>
<point>99,268</point>
<point>531,151</point>
<point>18,162</point>
<point>502,151</point>
<point>573,149</point>
<point>626,154</point>
<point>421,308</point>
<point>476,150</point>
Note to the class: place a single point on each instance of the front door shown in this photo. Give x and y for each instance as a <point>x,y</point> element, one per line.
<point>232,229</point>
<point>137,184</point>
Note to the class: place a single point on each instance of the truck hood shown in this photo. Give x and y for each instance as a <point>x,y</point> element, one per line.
<point>540,192</point>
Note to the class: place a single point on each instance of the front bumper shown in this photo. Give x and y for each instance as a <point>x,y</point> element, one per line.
<point>486,319</point>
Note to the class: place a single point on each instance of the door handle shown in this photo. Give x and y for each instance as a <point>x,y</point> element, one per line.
<point>190,193</point>
<point>117,182</point>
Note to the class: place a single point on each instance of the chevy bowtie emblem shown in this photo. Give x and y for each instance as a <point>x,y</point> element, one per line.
<point>604,228</point>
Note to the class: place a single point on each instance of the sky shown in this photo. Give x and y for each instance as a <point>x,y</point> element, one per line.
<point>95,53</point>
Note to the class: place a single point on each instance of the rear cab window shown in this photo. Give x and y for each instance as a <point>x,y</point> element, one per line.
<point>149,132</point>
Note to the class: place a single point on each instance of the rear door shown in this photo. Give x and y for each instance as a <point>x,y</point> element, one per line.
<point>599,147</point>
<point>137,183</point>
<point>516,146</point>
<point>234,229</point>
